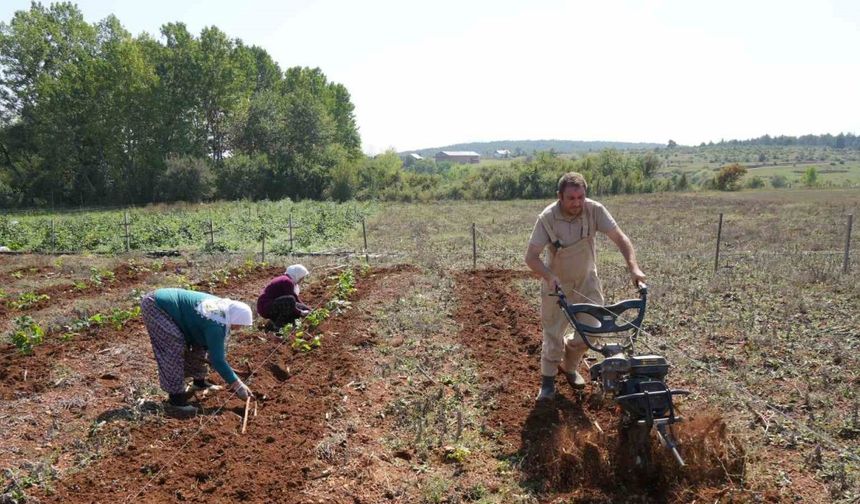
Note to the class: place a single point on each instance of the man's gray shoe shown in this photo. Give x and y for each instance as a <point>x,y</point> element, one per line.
<point>187,411</point>
<point>547,388</point>
<point>575,380</point>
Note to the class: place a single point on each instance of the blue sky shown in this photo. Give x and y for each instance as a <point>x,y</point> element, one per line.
<point>425,74</point>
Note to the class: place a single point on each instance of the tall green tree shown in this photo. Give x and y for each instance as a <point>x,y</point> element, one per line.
<point>221,86</point>
<point>35,46</point>
<point>182,129</point>
<point>93,115</point>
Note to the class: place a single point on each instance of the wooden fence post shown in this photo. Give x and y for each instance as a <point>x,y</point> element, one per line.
<point>474,248</point>
<point>719,236</point>
<point>263,254</point>
<point>847,244</point>
<point>291,232</point>
<point>364,233</point>
<point>127,236</point>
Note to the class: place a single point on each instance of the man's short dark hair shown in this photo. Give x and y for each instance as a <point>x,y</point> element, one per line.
<point>571,179</point>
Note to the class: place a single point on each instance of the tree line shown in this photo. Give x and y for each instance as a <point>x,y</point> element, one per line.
<point>92,115</point>
<point>520,148</point>
<point>607,172</point>
<point>840,141</point>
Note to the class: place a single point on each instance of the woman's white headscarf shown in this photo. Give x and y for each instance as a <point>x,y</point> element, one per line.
<point>297,272</point>
<point>226,311</point>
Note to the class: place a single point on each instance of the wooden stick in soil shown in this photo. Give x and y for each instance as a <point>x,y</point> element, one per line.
<point>245,418</point>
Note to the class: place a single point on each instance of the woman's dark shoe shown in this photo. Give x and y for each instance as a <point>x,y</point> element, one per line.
<point>177,407</point>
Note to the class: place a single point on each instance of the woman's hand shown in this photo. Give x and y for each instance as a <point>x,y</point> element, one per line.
<point>241,390</point>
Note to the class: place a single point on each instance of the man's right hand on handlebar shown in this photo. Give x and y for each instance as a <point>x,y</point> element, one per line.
<point>637,276</point>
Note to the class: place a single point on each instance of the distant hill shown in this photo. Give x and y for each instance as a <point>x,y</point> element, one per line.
<point>523,147</point>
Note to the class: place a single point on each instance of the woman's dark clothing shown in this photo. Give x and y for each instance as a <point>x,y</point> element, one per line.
<point>280,303</point>
<point>285,310</point>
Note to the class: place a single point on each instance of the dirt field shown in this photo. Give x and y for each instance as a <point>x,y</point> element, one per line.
<point>423,388</point>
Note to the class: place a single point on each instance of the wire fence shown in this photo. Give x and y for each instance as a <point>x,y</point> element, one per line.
<point>261,235</point>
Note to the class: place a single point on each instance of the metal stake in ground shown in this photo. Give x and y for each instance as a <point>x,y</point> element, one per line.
<point>719,235</point>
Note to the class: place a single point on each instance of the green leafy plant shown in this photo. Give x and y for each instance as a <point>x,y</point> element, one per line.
<point>457,454</point>
<point>29,299</point>
<point>250,265</point>
<point>305,342</point>
<point>119,317</point>
<point>74,329</point>
<point>81,285</point>
<point>100,276</point>
<point>285,331</point>
<point>301,339</point>
<point>364,270</point>
<point>345,284</point>
<point>219,277</point>
<point>27,334</point>
<point>337,305</point>
<point>315,318</point>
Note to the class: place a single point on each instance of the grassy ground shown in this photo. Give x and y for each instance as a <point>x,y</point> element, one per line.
<point>835,167</point>
<point>770,337</point>
<point>769,341</point>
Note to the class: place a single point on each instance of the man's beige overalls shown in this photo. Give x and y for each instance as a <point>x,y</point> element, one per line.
<point>576,268</point>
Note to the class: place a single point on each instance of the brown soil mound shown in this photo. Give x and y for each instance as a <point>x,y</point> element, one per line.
<point>559,445</point>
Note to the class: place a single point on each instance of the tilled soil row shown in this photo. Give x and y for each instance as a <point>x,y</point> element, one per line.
<point>26,374</point>
<point>51,400</point>
<point>570,448</point>
<point>125,276</point>
<point>207,458</point>
<point>20,272</point>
